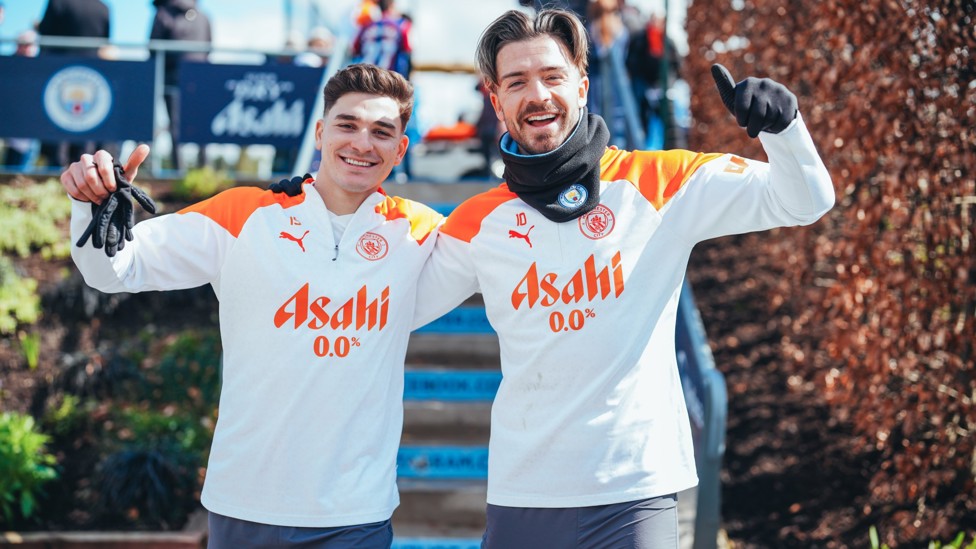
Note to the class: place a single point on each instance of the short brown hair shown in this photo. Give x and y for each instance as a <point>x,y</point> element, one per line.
<point>368,78</point>
<point>516,26</point>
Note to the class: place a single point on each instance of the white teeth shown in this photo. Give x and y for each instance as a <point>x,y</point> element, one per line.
<point>538,117</point>
<point>358,162</point>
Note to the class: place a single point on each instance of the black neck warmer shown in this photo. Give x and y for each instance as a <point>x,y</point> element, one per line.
<point>565,183</point>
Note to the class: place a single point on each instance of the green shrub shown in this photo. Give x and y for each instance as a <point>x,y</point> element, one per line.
<point>168,431</point>
<point>30,347</point>
<point>19,302</point>
<point>150,475</point>
<point>958,542</point>
<point>201,183</point>
<point>65,415</point>
<point>31,216</point>
<point>25,465</point>
<point>145,487</point>
<point>188,372</point>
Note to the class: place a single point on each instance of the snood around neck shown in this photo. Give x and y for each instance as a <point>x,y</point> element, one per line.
<point>562,184</point>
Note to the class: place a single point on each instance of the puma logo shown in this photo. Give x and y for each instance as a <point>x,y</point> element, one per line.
<point>294,239</point>
<point>525,237</point>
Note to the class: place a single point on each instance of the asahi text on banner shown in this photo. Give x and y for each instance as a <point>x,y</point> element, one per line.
<point>246,104</point>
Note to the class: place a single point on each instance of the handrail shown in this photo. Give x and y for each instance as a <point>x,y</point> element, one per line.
<point>306,150</point>
<point>145,48</point>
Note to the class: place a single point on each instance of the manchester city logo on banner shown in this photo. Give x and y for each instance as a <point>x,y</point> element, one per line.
<point>77,99</point>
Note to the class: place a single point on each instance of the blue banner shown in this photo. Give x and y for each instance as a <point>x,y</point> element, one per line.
<point>453,385</point>
<point>246,104</point>
<point>462,320</point>
<point>442,462</point>
<point>67,98</point>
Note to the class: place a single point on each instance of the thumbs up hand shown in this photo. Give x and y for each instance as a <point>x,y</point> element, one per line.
<point>758,104</point>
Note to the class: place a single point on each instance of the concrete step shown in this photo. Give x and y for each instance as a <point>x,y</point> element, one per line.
<point>447,508</point>
<point>448,404</point>
<point>461,351</point>
<point>466,423</point>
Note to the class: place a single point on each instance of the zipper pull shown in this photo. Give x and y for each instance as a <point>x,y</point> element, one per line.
<point>336,256</point>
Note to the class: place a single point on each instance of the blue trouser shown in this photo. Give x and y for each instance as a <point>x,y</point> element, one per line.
<point>643,524</point>
<point>232,533</point>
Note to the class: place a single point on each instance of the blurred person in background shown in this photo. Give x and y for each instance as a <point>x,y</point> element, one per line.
<point>367,12</point>
<point>27,44</point>
<point>179,20</point>
<point>649,53</point>
<point>385,42</point>
<point>79,19</point>
<point>318,48</point>
<point>609,38</point>
<point>74,18</point>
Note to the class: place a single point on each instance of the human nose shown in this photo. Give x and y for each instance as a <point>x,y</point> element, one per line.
<point>361,141</point>
<point>538,91</point>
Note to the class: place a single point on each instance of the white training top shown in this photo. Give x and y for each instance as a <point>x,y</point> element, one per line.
<point>314,337</point>
<point>590,410</point>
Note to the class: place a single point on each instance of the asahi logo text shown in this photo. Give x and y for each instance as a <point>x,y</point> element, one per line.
<point>548,289</point>
<point>318,312</point>
<point>253,118</point>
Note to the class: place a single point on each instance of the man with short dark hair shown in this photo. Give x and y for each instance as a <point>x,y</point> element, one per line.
<point>580,257</point>
<point>317,295</point>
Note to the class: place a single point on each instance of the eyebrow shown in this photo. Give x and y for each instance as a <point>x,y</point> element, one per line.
<point>551,68</point>
<point>353,118</point>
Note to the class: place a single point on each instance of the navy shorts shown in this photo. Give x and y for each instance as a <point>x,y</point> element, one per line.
<point>643,524</point>
<point>232,533</point>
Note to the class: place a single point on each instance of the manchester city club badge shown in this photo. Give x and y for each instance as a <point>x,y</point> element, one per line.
<point>573,197</point>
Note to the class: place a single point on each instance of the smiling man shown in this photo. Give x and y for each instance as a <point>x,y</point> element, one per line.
<point>317,295</point>
<point>590,440</point>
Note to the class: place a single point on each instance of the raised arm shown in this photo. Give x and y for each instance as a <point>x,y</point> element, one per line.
<point>168,252</point>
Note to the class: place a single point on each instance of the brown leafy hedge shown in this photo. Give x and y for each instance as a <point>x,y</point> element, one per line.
<point>885,286</point>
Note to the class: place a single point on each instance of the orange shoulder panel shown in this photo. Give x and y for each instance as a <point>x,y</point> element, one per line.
<point>465,221</point>
<point>658,175</point>
<point>423,220</point>
<point>232,208</point>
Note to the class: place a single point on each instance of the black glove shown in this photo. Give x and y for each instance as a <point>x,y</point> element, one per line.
<point>291,187</point>
<point>758,104</point>
<point>113,219</point>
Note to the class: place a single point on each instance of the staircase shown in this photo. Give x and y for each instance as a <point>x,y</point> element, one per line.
<point>452,374</point>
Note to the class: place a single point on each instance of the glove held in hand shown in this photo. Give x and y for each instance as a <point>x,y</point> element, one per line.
<point>113,219</point>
